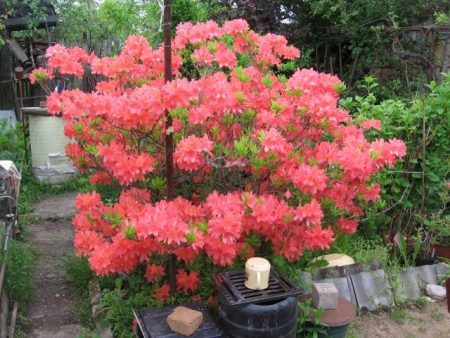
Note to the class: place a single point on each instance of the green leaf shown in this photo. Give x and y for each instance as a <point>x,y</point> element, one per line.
<point>432,177</point>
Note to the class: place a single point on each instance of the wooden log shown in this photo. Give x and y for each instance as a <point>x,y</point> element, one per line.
<point>12,325</point>
<point>18,52</point>
<point>4,315</point>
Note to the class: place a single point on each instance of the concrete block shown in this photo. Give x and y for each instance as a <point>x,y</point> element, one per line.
<point>184,321</point>
<point>436,291</point>
<point>442,269</point>
<point>344,287</point>
<point>325,296</point>
<point>372,290</point>
<point>427,275</point>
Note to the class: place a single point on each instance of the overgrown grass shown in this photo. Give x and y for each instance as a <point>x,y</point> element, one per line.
<point>18,276</point>
<point>78,277</point>
<point>362,250</point>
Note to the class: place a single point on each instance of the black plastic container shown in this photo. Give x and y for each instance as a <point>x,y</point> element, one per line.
<point>277,319</point>
<point>153,323</point>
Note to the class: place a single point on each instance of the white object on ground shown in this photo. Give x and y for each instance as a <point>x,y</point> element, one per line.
<point>336,260</point>
<point>436,291</point>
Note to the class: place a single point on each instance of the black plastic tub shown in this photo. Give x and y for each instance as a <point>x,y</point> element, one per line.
<point>277,319</point>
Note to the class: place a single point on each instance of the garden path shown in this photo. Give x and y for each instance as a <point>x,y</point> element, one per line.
<point>51,236</point>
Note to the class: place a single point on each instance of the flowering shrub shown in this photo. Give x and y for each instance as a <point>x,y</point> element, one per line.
<point>259,157</point>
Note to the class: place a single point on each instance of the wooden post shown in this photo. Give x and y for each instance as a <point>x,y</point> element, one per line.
<point>447,286</point>
<point>171,268</point>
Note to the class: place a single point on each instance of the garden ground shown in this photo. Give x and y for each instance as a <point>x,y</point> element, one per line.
<point>51,307</point>
<point>429,321</point>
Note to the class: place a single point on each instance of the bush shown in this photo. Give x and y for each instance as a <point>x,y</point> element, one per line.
<point>413,185</point>
<point>264,160</point>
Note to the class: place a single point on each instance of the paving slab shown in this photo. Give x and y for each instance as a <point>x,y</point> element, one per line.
<point>51,306</point>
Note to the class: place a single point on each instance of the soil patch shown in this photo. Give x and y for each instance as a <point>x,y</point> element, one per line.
<point>59,206</point>
<point>432,321</point>
<point>51,235</point>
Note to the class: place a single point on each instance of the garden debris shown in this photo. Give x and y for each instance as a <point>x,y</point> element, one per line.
<point>184,321</point>
<point>436,291</point>
<point>325,296</point>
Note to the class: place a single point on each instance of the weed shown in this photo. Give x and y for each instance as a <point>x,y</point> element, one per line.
<point>309,323</point>
<point>83,312</point>
<point>398,315</point>
<point>362,250</point>
<point>88,333</point>
<point>78,273</point>
<point>78,276</point>
<point>421,302</point>
<point>18,278</point>
<point>437,315</point>
<point>353,331</point>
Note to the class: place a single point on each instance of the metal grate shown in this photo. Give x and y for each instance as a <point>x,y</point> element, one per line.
<point>232,291</point>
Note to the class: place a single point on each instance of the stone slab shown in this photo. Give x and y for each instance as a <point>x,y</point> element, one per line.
<point>442,269</point>
<point>427,274</point>
<point>372,290</point>
<point>406,285</point>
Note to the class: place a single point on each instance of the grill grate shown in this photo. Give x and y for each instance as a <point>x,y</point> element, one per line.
<point>233,292</point>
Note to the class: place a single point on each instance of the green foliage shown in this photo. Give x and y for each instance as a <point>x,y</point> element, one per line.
<point>423,124</point>
<point>87,333</point>
<point>117,19</point>
<point>361,249</point>
<point>120,301</point>
<point>11,142</point>
<point>438,224</point>
<point>403,248</point>
<point>18,277</point>
<point>309,324</point>
<point>78,273</point>
<point>398,315</point>
<point>78,277</point>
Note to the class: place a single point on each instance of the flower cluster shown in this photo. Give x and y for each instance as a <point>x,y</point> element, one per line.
<point>256,153</point>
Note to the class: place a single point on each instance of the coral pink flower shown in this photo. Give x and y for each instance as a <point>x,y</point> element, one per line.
<point>152,272</point>
<point>187,281</point>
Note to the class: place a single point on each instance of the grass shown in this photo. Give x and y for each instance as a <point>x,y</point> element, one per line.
<point>18,277</point>
<point>78,276</point>
<point>398,315</point>
<point>437,315</point>
<point>421,302</point>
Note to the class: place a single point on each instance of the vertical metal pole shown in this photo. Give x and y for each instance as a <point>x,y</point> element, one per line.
<point>171,273</point>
